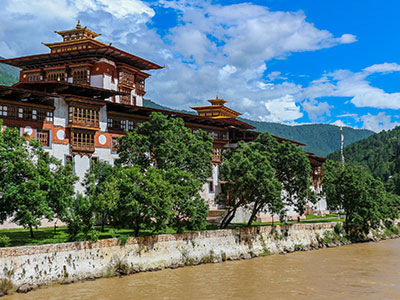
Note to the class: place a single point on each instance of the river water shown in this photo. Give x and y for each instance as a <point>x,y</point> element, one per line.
<point>360,271</point>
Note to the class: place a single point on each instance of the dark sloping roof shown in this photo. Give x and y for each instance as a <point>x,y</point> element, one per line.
<point>146,111</point>
<point>109,52</point>
<point>13,93</point>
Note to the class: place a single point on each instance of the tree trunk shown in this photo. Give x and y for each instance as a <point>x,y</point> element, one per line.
<point>253,214</point>
<point>103,222</point>
<point>31,231</point>
<point>137,226</point>
<point>228,218</point>
<point>225,218</point>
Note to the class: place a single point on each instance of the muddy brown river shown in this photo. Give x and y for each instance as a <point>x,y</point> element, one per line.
<point>361,271</point>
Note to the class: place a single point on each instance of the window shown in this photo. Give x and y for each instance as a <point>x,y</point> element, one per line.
<point>211,186</point>
<point>140,87</point>
<point>56,76</point>
<point>112,73</point>
<point>49,116</point>
<point>131,125</point>
<point>125,99</point>
<point>3,110</point>
<point>80,76</point>
<point>126,77</point>
<point>109,123</point>
<point>123,124</point>
<point>20,113</point>
<point>44,137</point>
<point>34,114</point>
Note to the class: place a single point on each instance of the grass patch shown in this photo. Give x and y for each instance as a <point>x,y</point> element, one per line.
<point>46,235</point>
<point>265,253</point>
<point>327,216</point>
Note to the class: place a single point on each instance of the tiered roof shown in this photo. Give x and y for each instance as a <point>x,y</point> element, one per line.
<point>217,110</point>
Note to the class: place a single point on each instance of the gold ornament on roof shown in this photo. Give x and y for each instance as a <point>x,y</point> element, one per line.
<point>78,25</point>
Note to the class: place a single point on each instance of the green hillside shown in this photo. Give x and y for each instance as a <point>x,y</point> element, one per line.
<point>320,139</point>
<point>8,74</point>
<point>380,154</point>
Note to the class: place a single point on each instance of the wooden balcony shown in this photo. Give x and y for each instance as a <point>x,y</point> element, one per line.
<point>217,155</point>
<point>90,124</point>
<point>82,142</point>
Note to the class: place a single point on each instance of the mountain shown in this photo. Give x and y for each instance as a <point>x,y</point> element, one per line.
<point>8,74</point>
<point>380,154</point>
<point>320,139</point>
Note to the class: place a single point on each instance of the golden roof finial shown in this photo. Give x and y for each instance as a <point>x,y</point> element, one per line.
<point>216,97</point>
<point>78,25</point>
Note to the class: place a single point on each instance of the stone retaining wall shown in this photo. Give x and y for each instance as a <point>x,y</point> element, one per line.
<point>67,262</point>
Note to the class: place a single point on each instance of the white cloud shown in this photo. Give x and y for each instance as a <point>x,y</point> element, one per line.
<point>316,109</point>
<point>282,109</point>
<point>382,68</point>
<point>340,123</point>
<point>355,85</point>
<point>26,23</point>
<point>228,47</point>
<point>275,75</point>
<point>347,39</point>
<point>378,122</point>
<point>214,49</point>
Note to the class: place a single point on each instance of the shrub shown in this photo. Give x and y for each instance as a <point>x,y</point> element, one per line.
<point>6,286</point>
<point>4,241</point>
<point>339,229</point>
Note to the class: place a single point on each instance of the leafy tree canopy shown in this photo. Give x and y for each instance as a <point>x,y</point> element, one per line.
<point>145,199</point>
<point>165,143</point>
<point>266,175</point>
<point>363,198</point>
<point>33,185</point>
<point>249,180</point>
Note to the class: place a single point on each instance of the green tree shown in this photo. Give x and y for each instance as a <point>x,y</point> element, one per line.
<point>80,219</point>
<point>190,210</point>
<point>249,180</point>
<point>61,189</point>
<point>145,199</point>
<point>292,169</point>
<point>33,185</point>
<point>272,168</point>
<point>363,198</point>
<point>164,143</point>
<point>102,190</point>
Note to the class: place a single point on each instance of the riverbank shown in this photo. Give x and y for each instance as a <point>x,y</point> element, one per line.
<point>32,266</point>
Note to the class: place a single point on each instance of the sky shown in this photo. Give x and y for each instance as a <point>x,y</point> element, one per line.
<point>286,61</point>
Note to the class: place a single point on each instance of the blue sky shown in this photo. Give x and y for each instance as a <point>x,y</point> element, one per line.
<point>288,61</point>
